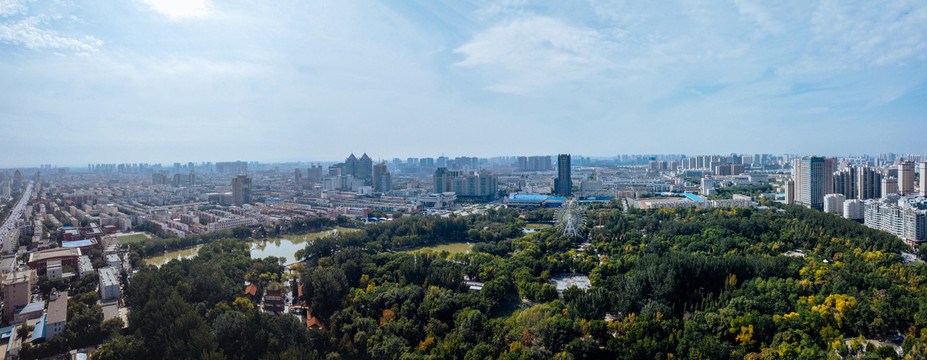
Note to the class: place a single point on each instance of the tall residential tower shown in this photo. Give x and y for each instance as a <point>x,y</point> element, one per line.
<point>814,178</point>
<point>241,190</point>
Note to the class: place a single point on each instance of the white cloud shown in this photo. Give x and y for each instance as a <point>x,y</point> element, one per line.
<point>870,34</point>
<point>534,52</point>
<point>27,33</point>
<point>11,7</point>
<point>179,9</point>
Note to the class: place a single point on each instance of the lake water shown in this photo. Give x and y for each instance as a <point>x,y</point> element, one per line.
<point>170,255</point>
<point>285,247</point>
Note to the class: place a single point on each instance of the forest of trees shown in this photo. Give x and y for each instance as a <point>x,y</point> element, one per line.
<point>668,283</point>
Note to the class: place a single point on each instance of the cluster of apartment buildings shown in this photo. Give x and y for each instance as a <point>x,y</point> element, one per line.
<point>885,198</point>
<point>23,303</point>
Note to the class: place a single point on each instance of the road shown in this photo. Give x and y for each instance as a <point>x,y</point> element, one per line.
<point>17,212</point>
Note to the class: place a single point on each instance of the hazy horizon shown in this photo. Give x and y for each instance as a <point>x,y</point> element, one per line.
<point>147,80</point>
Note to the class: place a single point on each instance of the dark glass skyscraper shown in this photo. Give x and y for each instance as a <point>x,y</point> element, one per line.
<point>563,184</point>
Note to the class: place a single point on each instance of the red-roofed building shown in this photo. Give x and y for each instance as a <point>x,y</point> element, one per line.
<point>251,289</point>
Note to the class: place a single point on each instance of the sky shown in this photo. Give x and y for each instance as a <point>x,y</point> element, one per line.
<point>304,80</point>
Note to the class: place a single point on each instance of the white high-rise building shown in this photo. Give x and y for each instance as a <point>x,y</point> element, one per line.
<point>854,209</point>
<point>922,169</point>
<point>833,203</point>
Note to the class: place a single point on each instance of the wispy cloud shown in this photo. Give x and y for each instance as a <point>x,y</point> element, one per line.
<point>179,9</point>
<point>11,7</point>
<point>534,52</point>
<point>27,33</point>
<point>33,32</point>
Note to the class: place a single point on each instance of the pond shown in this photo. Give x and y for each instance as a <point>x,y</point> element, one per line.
<point>170,255</point>
<point>285,247</point>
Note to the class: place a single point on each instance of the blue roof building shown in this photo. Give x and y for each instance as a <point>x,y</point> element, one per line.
<point>39,332</point>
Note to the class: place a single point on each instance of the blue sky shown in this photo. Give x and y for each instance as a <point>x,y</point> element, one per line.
<point>201,80</point>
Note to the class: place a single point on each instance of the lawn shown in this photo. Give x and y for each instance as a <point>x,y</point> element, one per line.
<point>131,239</point>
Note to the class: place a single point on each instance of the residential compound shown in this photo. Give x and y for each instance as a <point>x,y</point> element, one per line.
<point>903,217</point>
<point>883,197</point>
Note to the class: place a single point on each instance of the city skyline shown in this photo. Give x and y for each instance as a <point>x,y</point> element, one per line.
<point>169,164</point>
<point>152,80</point>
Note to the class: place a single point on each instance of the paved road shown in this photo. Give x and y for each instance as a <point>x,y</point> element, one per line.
<point>10,223</point>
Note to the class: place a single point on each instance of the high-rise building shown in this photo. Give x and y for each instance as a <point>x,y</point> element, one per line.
<point>232,167</point>
<point>426,163</point>
<point>858,182</point>
<point>361,169</point>
<point>314,173</point>
<point>17,179</point>
<point>845,182</point>
<point>563,184</point>
<point>298,176</point>
<point>158,179</point>
<point>382,181</point>
<point>534,163</point>
<point>905,178</point>
<point>183,180</point>
<point>814,177</point>
<point>241,189</point>
<point>868,183</point>
<point>833,203</point>
<point>922,169</point>
<point>442,179</point>
<point>854,209</point>
<point>475,184</point>
<point>889,185</point>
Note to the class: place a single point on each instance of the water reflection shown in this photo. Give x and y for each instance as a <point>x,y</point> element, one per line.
<point>170,255</point>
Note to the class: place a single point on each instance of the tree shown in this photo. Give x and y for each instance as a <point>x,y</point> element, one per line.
<point>324,288</point>
<point>241,232</point>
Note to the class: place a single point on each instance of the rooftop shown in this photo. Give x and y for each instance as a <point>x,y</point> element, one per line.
<point>78,243</point>
<point>32,307</point>
<point>18,277</point>
<point>45,255</point>
<point>109,276</point>
<point>526,197</point>
<point>58,309</point>
<point>39,331</point>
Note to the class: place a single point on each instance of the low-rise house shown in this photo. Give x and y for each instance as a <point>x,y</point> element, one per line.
<point>31,311</point>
